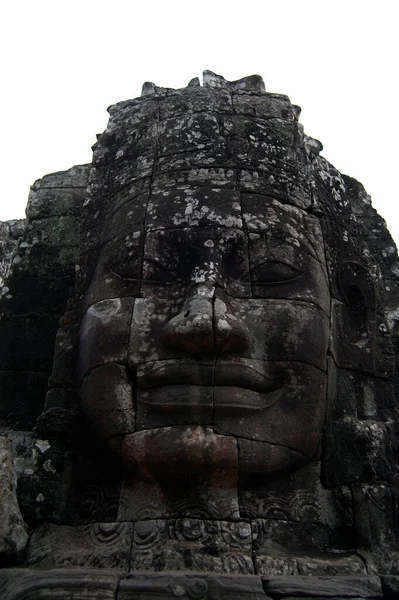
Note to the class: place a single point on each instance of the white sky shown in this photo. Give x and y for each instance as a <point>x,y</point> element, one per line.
<point>64,62</point>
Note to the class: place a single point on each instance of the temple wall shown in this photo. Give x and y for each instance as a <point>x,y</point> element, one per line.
<point>37,259</point>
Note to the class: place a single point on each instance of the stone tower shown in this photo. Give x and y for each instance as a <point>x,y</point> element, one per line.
<point>199,335</point>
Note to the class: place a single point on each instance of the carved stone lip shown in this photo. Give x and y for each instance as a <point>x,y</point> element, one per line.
<point>239,373</point>
<point>230,401</point>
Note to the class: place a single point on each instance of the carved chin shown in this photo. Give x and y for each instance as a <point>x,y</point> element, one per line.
<point>184,457</point>
<point>169,453</point>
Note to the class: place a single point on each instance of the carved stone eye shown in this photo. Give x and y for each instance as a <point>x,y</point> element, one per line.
<point>274,271</point>
<point>155,271</point>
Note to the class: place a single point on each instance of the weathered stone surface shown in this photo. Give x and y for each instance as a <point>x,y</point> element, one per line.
<point>102,318</point>
<point>186,586</point>
<point>297,497</point>
<point>257,458</point>
<point>107,402</point>
<point>192,545</point>
<point>10,233</point>
<point>60,584</point>
<point>375,508</point>
<point>283,406</point>
<point>39,282</point>
<point>321,564</point>
<point>223,384</point>
<point>63,374</point>
<point>354,586</point>
<point>390,586</point>
<point>13,531</point>
<point>194,207</point>
<point>352,394</point>
<point>358,451</point>
<point>102,545</point>
<point>202,483</point>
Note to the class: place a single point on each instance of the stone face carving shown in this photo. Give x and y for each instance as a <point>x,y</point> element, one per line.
<point>216,300</point>
<point>222,397</point>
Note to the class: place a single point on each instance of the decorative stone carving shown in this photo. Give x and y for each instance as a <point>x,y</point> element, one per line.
<point>222,399</point>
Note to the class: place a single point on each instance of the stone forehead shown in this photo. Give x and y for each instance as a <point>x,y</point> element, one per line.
<point>199,207</point>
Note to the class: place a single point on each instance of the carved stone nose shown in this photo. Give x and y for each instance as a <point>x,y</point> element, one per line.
<point>206,325</point>
<point>192,329</point>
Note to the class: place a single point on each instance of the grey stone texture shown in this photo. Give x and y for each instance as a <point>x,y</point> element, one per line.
<point>39,264</point>
<point>199,340</point>
<point>13,531</point>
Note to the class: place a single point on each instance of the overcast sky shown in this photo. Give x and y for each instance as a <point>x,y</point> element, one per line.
<point>63,63</point>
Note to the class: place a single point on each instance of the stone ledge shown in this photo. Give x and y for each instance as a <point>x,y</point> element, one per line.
<point>351,586</point>
<point>107,584</point>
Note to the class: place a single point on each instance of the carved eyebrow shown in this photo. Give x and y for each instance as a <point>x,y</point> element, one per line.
<point>305,242</point>
<point>265,261</point>
<point>155,262</point>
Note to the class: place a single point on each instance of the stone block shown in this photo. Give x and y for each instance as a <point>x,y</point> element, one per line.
<point>286,223</point>
<point>216,176</point>
<point>192,545</point>
<point>45,202</point>
<point>355,586</point>
<point>187,586</point>
<point>194,207</point>
<point>104,334</point>
<point>107,180</point>
<point>65,357</point>
<point>255,136</point>
<point>75,177</point>
<point>131,140</point>
<point>272,415</point>
<point>321,564</point>
<point>391,294</point>
<point>260,462</point>
<point>106,399</point>
<point>115,272</point>
<point>359,451</point>
<point>126,217</point>
<point>358,395</point>
<point>198,132</point>
<point>358,343</point>
<point>201,483</point>
<point>101,545</point>
<point>13,531</point>
<point>60,230</point>
<point>266,106</point>
<point>269,182</point>
<point>45,260</point>
<point>271,535</point>
<point>375,513</point>
<point>59,584</point>
<point>297,497</point>
<point>186,101</point>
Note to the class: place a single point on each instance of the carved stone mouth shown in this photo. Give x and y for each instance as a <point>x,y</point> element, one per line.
<point>229,400</point>
<point>239,374</point>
